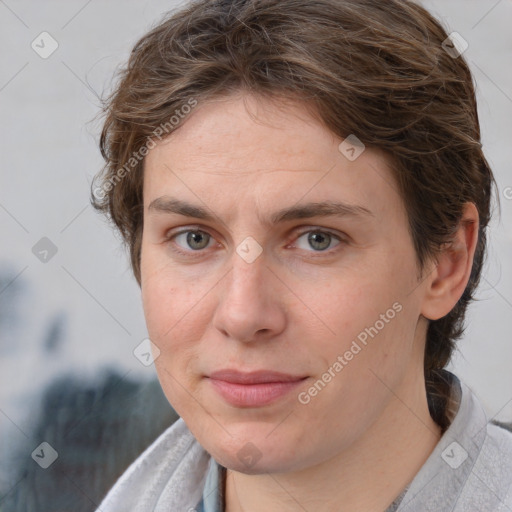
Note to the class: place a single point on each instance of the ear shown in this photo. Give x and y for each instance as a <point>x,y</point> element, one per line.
<point>447,282</point>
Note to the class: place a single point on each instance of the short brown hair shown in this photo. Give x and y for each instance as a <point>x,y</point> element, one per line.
<point>374,69</point>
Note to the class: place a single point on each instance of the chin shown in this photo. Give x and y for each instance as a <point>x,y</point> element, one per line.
<point>255,454</point>
<point>264,465</point>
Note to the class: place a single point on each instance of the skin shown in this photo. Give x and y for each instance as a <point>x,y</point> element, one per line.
<point>295,308</point>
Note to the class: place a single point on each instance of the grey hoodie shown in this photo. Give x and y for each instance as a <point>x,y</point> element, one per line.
<point>470,470</point>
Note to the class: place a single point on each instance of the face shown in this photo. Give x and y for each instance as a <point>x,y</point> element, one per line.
<point>279,282</point>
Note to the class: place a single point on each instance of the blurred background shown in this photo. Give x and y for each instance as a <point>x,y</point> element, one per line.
<point>70,310</point>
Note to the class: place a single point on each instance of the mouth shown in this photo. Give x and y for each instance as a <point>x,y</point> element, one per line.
<point>254,389</point>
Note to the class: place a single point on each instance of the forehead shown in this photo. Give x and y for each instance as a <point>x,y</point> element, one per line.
<point>243,150</point>
<point>254,130</point>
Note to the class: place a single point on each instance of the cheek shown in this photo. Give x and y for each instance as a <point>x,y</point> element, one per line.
<point>156,293</point>
<point>369,320</point>
<point>165,310</point>
<point>168,311</point>
<point>164,296</point>
<point>173,311</point>
<point>350,304</point>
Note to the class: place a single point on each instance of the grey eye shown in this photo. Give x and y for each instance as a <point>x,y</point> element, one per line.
<point>318,240</point>
<point>195,240</point>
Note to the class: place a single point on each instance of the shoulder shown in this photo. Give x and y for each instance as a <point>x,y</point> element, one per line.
<point>470,468</point>
<point>168,475</point>
<point>496,456</point>
<point>490,480</point>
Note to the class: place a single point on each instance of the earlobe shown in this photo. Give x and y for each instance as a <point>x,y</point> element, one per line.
<point>452,271</point>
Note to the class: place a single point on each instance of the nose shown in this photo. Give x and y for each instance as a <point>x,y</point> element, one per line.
<point>251,302</point>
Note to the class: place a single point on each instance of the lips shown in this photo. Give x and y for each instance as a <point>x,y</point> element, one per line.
<point>254,389</point>
<point>257,377</point>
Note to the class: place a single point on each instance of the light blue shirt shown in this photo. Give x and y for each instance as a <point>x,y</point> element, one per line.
<point>212,500</point>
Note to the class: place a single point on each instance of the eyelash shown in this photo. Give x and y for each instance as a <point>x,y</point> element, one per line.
<point>170,241</point>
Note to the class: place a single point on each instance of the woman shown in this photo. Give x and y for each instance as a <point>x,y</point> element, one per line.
<point>304,195</point>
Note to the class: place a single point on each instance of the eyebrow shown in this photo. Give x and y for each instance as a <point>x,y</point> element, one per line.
<point>166,204</point>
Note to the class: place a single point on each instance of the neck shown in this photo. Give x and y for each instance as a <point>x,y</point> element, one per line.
<point>367,476</point>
